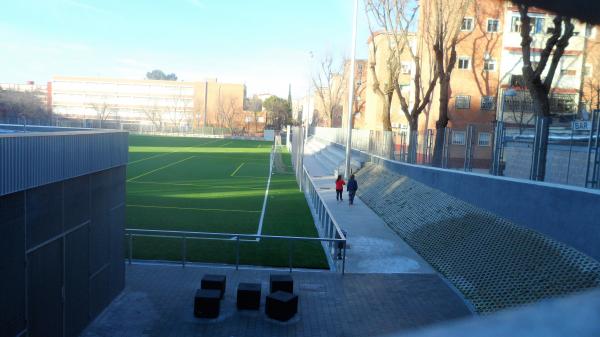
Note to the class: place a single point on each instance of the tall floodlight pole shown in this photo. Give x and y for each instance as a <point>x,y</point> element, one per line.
<point>351,93</point>
<point>305,123</point>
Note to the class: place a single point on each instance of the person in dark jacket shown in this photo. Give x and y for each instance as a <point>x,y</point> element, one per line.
<point>351,188</point>
<point>339,188</point>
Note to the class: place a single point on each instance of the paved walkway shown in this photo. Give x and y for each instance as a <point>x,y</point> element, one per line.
<point>158,301</point>
<point>372,246</point>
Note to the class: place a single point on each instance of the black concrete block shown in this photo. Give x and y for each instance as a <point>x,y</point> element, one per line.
<point>282,282</point>
<point>248,296</point>
<point>217,282</point>
<point>207,303</point>
<point>281,305</point>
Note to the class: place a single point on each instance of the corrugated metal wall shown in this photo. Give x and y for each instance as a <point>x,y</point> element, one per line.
<point>31,160</point>
<point>62,216</point>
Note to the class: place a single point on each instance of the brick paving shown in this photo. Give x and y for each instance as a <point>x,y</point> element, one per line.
<point>158,301</point>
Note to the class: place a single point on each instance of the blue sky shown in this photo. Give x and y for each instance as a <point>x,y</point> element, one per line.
<point>263,43</point>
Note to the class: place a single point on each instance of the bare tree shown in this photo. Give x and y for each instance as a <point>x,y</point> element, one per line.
<point>179,108</point>
<point>229,110</point>
<point>329,85</point>
<point>154,114</point>
<point>591,84</point>
<point>444,19</point>
<point>396,18</point>
<point>540,89</point>
<point>358,104</point>
<point>22,104</point>
<point>103,109</point>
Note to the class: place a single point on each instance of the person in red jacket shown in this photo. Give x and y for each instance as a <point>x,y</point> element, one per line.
<point>339,188</point>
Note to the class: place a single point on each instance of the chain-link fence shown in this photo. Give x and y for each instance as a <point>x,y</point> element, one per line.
<point>135,127</point>
<point>573,151</point>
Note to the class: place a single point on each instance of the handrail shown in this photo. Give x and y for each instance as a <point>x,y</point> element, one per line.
<point>327,209</point>
<point>188,234</point>
<point>184,235</point>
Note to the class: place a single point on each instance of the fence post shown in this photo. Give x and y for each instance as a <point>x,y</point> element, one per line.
<point>290,253</point>
<point>344,259</point>
<point>130,247</point>
<point>237,252</point>
<point>183,251</point>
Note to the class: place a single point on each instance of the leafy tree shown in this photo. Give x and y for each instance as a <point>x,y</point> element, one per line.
<point>158,74</point>
<point>253,104</point>
<point>290,95</point>
<point>278,112</point>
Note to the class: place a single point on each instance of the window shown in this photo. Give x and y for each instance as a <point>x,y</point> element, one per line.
<point>489,65</point>
<point>462,102</point>
<point>261,119</point>
<point>589,31</point>
<point>405,68</point>
<point>464,62</point>
<point>563,104</point>
<point>458,138</point>
<point>517,81</point>
<point>568,72</point>
<point>492,25</point>
<point>484,139</point>
<point>488,103</point>
<point>537,25</point>
<point>515,24</point>
<point>467,24</point>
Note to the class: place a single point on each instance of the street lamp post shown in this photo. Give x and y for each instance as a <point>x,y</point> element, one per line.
<point>351,93</point>
<point>304,123</point>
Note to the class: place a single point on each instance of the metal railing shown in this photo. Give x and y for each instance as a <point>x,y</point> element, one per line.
<point>326,225</point>
<point>332,243</point>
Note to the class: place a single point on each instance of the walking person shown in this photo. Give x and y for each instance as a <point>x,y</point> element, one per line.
<point>339,188</point>
<point>351,188</point>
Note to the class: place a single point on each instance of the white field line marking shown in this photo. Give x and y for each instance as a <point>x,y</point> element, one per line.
<point>264,207</point>
<point>160,168</point>
<point>209,187</point>
<point>225,144</point>
<point>194,209</point>
<point>237,169</point>
<point>164,154</point>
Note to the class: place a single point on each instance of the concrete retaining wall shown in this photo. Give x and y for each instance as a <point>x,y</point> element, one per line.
<point>570,215</point>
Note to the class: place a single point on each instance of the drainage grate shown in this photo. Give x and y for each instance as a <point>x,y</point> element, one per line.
<point>493,262</point>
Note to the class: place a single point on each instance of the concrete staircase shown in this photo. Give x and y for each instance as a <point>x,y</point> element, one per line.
<point>332,157</point>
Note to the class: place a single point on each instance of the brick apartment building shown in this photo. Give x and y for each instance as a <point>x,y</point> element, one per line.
<point>489,70</point>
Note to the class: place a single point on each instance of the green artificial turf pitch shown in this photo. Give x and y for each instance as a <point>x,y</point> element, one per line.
<point>216,185</point>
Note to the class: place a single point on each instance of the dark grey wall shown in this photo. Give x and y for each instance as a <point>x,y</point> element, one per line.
<point>61,253</point>
<point>567,214</point>
<point>29,160</point>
